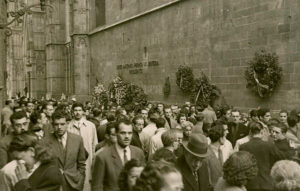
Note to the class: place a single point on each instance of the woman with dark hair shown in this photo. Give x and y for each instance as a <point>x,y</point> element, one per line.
<point>131,171</point>
<point>35,169</point>
<point>159,176</point>
<point>237,171</point>
<point>181,118</point>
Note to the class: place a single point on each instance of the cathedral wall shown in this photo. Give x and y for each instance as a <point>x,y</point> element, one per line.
<point>216,37</point>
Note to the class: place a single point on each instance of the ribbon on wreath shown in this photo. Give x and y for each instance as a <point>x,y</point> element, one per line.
<point>260,86</point>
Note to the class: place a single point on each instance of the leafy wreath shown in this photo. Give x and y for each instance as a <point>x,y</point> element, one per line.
<point>100,95</point>
<point>263,74</point>
<point>124,93</point>
<point>204,92</point>
<point>185,78</point>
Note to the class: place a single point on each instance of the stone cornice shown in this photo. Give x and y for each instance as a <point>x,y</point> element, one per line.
<point>106,27</point>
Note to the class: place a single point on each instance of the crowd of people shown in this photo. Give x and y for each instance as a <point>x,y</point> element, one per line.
<point>59,145</point>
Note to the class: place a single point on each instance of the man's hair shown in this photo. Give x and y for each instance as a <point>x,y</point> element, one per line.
<point>262,112</point>
<point>136,118</point>
<point>160,122</point>
<point>35,116</point>
<point>78,104</point>
<point>17,115</point>
<point>109,127</point>
<point>284,111</point>
<point>59,114</point>
<point>280,125</point>
<point>167,107</point>
<point>215,133</point>
<point>292,120</point>
<point>255,128</point>
<point>169,137</point>
<point>199,116</point>
<point>235,110</point>
<point>96,112</point>
<point>253,113</point>
<point>45,105</point>
<point>119,122</point>
<point>7,102</point>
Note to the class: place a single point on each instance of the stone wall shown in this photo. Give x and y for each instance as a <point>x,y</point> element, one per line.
<point>216,37</point>
<point>2,55</point>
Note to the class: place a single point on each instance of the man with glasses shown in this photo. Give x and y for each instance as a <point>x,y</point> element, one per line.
<point>20,125</point>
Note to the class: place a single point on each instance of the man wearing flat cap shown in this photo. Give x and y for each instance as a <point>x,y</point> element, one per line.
<point>191,164</point>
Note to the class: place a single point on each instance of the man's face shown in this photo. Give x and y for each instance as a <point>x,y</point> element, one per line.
<point>225,130</point>
<point>267,117</point>
<point>160,107</point>
<point>172,182</point>
<point>179,137</point>
<point>144,113</point>
<point>49,110</point>
<point>43,119</point>
<point>236,116</point>
<point>139,125</point>
<point>60,126</point>
<point>124,135</point>
<point>277,133</point>
<point>112,135</point>
<point>20,125</point>
<point>133,174</point>
<point>25,156</point>
<point>228,114</point>
<point>168,113</point>
<point>283,117</point>
<point>187,131</point>
<point>193,161</point>
<point>30,107</point>
<point>78,113</point>
<point>174,109</point>
<point>182,119</point>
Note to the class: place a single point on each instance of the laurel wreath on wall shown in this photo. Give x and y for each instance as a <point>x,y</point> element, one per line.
<point>204,92</point>
<point>124,93</point>
<point>263,75</point>
<point>185,78</point>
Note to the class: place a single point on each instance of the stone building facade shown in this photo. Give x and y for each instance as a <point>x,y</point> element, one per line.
<point>3,73</point>
<point>81,41</point>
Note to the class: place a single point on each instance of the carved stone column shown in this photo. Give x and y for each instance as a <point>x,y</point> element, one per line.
<point>79,31</point>
<point>56,58</point>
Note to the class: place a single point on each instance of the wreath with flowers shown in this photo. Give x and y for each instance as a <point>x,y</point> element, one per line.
<point>185,78</point>
<point>100,94</point>
<point>263,75</point>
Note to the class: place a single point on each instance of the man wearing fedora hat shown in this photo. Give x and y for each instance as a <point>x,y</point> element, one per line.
<point>191,164</point>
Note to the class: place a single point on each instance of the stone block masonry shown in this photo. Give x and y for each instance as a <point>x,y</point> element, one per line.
<point>217,37</point>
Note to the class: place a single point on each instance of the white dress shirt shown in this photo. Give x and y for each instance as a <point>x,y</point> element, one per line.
<point>120,152</point>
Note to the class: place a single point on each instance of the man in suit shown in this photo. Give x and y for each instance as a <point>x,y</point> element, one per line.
<point>20,124</point>
<point>138,125</point>
<point>87,130</point>
<point>237,130</point>
<point>171,123</point>
<point>109,162</point>
<point>266,155</point>
<point>191,164</point>
<point>69,151</point>
<point>215,159</point>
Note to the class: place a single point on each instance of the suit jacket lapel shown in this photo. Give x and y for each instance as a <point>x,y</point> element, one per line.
<point>116,158</point>
<point>188,175</point>
<point>57,148</point>
<point>68,149</point>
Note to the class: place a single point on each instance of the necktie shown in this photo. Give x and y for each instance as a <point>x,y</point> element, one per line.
<point>61,143</point>
<point>220,156</point>
<point>125,156</point>
<point>195,173</point>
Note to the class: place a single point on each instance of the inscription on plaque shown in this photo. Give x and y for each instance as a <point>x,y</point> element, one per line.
<point>137,68</point>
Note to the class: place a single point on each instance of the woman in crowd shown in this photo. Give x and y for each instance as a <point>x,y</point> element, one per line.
<point>181,119</point>
<point>286,176</point>
<point>129,174</point>
<point>238,170</point>
<point>159,176</point>
<point>187,128</point>
<point>36,170</point>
